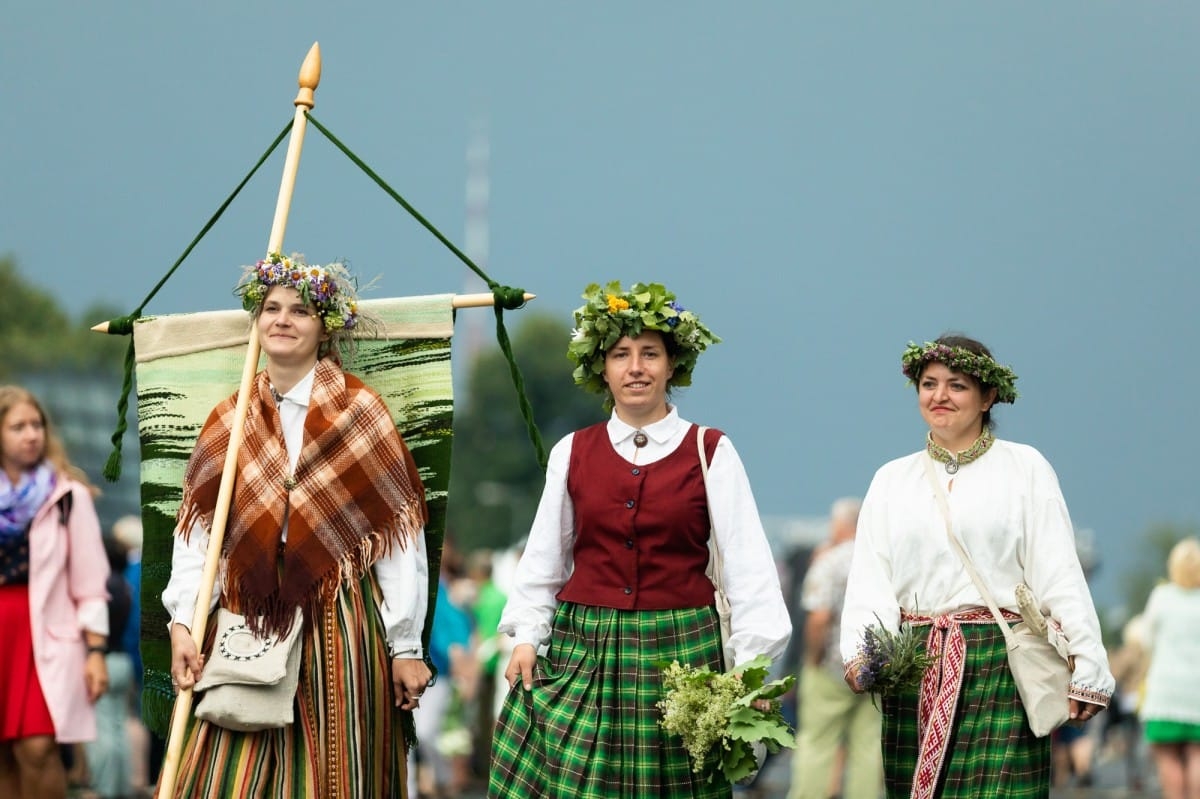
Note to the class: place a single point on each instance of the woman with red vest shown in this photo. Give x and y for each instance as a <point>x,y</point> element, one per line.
<point>612,580</point>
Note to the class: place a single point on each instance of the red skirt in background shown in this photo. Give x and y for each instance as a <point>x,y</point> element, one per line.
<point>23,711</point>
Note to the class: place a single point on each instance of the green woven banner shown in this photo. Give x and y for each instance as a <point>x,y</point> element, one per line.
<point>187,363</point>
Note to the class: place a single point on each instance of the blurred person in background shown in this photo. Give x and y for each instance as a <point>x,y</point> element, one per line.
<point>146,749</point>
<point>53,602</point>
<point>1072,749</point>
<point>1123,728</point>
<point>486,609</point>
<point>435,771</point>
<point>1171,710</point>
<point>109,759</point>
<point>838,730</point>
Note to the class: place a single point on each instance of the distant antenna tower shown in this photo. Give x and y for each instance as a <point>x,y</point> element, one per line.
<point>476,234</point>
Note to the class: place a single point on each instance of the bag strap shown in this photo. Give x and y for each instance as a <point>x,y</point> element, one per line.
<point>940,494</point>
<point>714,562</point>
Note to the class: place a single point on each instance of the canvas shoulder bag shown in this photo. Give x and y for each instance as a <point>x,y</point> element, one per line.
<point>1039,665</point>
<point>249,682</point>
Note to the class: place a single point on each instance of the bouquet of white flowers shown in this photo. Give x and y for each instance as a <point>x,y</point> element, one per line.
<point>718,715</point>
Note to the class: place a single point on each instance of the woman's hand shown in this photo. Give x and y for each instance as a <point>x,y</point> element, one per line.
<point>186,663</point>
<point>464,671</point>
<point>1082,711</point>
<point>761,705</point>
<point>410,676</point>
<point>853,677</point>
<point>520,666</point>
<point>95,675</point>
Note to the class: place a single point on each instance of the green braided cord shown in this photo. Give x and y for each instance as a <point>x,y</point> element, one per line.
<point>112,467</point>
<point>535,435</point>
<point>403,202</point>
<point>505,296</point>
<point>123,326</point>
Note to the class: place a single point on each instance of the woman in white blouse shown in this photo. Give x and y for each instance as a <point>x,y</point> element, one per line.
<point>964,731</point>
<point>1171,708</point>
<point>612,579</point>
<point>327,517</point>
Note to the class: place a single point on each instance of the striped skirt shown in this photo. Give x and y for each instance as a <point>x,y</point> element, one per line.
<point>991,754</point>
<point>346,741</point>
<point>589,727</point>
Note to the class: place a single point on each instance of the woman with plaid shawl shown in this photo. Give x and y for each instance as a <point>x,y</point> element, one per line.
<point>327,516</point>
<point>612,580</point>
<point>963,731</point>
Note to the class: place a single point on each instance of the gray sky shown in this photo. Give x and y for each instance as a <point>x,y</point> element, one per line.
<point>821,182</point>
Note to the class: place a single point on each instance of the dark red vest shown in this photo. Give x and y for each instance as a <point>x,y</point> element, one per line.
<point>641,531</point>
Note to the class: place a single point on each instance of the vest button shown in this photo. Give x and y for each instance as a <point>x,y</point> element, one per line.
<point>629,503</point>
<point>637,471</point>
<point>628,590</point>
<point>629,543</point>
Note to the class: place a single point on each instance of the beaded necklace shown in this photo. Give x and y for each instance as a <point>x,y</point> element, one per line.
<point>953,461</point>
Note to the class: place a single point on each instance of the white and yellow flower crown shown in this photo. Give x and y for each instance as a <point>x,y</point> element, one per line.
<point>331,288</point>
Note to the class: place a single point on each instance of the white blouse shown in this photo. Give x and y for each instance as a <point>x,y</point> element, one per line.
<point>403,609</point>
<point>760,622</point>
<point>1173,624</point>
<point>1009,513</point>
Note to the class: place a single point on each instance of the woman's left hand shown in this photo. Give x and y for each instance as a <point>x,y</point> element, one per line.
<point>409,678</point>
<point>95,674</point>
<point>761,705</point>
<point>1082,711</point>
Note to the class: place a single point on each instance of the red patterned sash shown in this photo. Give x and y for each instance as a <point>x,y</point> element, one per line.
<point>940,689</point>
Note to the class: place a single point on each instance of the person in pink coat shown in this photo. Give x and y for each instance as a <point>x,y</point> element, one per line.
<point>53,602</point>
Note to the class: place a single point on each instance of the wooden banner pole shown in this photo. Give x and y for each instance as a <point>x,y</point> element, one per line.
<point>310,76</point>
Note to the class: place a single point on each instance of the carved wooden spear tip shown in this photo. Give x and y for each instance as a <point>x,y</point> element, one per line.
<point>310,76</point>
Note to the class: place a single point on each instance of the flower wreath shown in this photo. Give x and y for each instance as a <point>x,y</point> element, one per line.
<point>331,288</point>
<point>611,312</point>
<point>959,359</point>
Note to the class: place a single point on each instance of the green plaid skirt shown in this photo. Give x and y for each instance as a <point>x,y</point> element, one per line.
<point>992,754</point>
<point>589,729</point>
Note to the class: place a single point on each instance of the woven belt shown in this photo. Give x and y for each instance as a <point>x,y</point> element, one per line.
<point>940,689</point>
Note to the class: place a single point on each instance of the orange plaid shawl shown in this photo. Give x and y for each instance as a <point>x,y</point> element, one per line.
<point>355,494</point>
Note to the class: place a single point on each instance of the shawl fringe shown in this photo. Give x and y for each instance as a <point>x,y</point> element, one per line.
<point>273,614</point>
<point>190,515</point>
